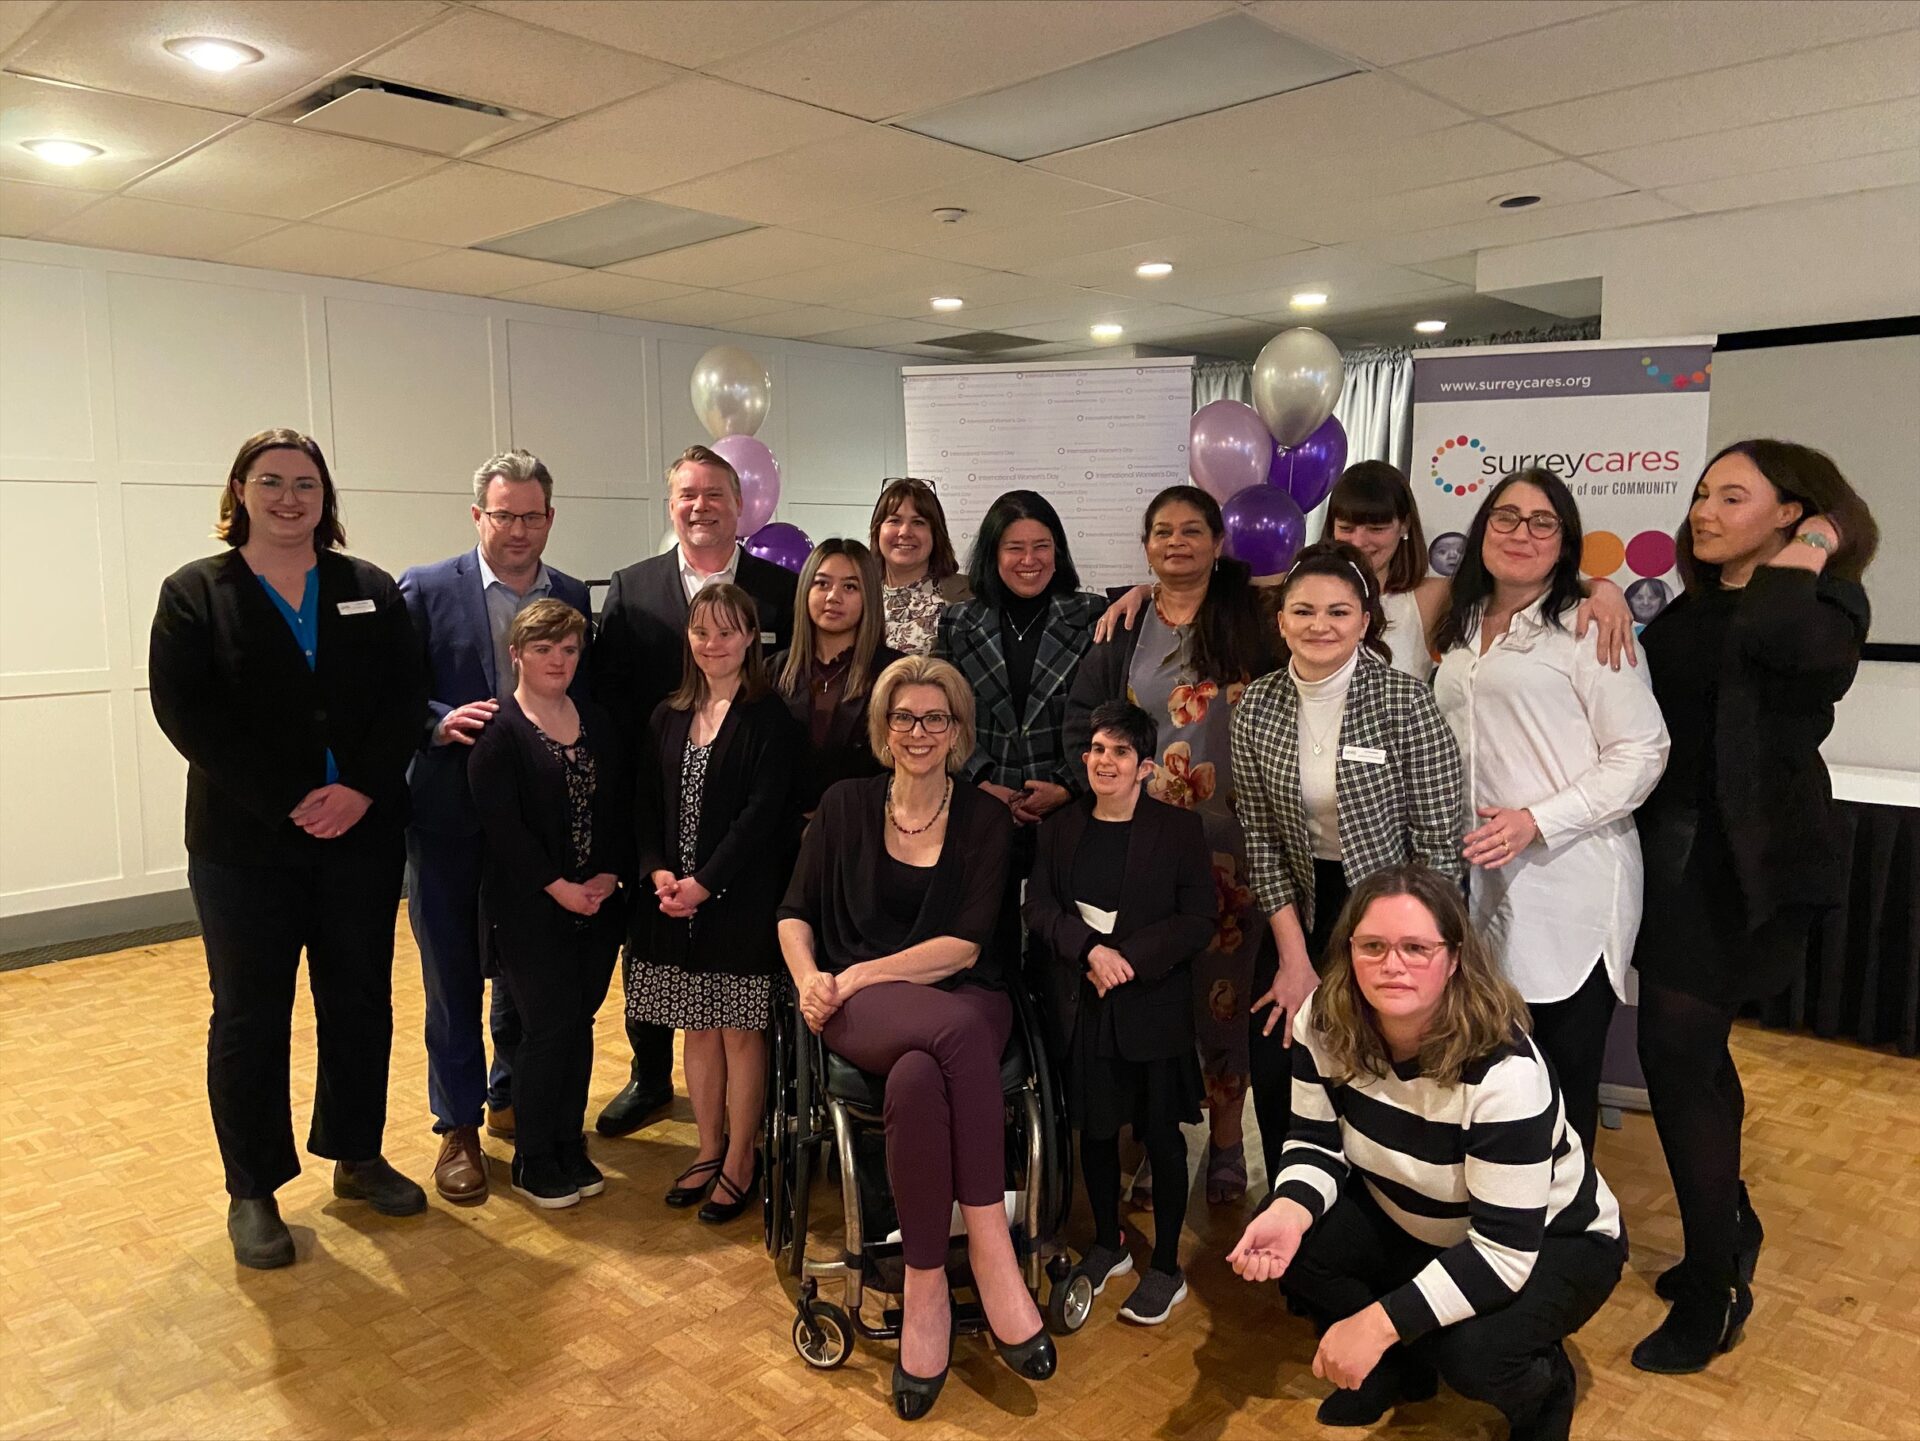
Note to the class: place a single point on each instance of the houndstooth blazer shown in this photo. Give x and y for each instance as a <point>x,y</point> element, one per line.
<point>1011,750</point>
<point>1405,810</point>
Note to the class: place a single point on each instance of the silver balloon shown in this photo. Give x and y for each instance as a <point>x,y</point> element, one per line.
<point>730,391</point>
<point>1296,383</point>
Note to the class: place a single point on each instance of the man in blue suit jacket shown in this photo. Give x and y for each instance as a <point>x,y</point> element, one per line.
<point>462,609</point>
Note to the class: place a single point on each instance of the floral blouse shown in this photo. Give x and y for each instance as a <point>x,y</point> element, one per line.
<point>913,615</point>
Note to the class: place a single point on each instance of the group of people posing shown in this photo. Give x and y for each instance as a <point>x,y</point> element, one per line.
<point>1378,847</point>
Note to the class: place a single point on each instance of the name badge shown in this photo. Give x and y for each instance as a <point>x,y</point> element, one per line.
<point>357,607</point>
<point>768,637</point>
<point>1365,755</point>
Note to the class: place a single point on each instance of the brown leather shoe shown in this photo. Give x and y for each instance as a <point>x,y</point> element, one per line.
<point>461,1172</point>
<point>500,1122</point>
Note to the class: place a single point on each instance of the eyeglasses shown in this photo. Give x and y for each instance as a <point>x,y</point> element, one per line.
<point>1540,525</point>
<point>1414,955</point>
<point>278,485</point>
<point>934,723</point>
<point>531,519</point>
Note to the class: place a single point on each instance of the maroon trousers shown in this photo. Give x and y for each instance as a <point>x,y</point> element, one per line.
<point>945,1119</point>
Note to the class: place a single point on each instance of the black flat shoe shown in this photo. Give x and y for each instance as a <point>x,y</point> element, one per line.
<point>719,1211</point>
<point>913,1396</point>
<point>1396,1379</point>
<point>1034,1358</point>
<point>261,1240</point>
<point>701,1173</point>
<point>633,1108</point>
<point>1705,1322</point>
<point>379,1185</point>
<point>1673,1281</point>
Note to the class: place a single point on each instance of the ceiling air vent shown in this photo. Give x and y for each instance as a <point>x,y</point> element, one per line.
<point>394,114</point>
<point>981,342</point>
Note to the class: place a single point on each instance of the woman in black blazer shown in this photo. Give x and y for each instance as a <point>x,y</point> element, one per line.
<point>1122,896</point>
<point>715,835</point>
<point>1740,840</point>
<point>550,784</point>
<point>288,676</point>
<point>827,675</point>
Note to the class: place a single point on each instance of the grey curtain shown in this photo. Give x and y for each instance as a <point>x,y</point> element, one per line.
<point>1222,380</point>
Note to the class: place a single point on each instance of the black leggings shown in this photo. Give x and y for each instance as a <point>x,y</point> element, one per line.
<point>1271,1061</point>
<point>1572,1035</point>
<point>1698,1107</point>
<point>1100,1168</point>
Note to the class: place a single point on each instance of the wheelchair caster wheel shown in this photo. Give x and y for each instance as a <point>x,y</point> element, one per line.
<point>829,1342</point>
<point>1069,1303</point>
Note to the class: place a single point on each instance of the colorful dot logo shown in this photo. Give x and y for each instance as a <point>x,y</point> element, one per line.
<point>1680,381</point>
<point>1461,455</point>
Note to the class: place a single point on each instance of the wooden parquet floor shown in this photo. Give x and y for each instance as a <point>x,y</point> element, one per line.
<point>124,1315</point>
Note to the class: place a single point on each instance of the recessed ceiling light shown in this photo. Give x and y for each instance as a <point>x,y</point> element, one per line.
<point>1107,330</point>
<point>1309,300</point>
<point>949,214</point>
<point>946,302</point>
<point>61,152</point>
<point>1516,202</point>
<point>1430,327</point>
<point>210,53</point>
<point>1153,269</point>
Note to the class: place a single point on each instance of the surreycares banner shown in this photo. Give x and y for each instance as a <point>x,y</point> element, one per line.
<point>1625,425</point>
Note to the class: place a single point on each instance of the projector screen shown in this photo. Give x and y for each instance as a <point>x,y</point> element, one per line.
<point>1859,401</point>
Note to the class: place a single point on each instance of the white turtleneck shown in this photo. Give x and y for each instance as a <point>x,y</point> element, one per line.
<point>1322,705</point>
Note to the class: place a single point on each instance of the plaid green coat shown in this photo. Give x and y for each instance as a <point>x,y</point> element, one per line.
<point>1011,750</point>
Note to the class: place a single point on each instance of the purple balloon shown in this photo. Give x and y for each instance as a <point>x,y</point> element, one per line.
<point>759,476</point>
<point>779,542</point>
<point>1308,470</point>
<point>1264,528</point>
<point>1228,448</point>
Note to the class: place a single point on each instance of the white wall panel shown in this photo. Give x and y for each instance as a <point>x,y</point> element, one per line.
<point>592,538</point>
<point>61,824</point>
<point>822,520</point>
<point>163,794</point>
<point>412,396</point>
<point>197,368</point>
<point>166,526</point>
<point>840,449</point>
<point>50,581</point>
<point>578,404</point>
<point>45,394</point>
<point>395,530</point>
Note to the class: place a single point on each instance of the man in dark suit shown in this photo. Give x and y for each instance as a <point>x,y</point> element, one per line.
<point>462,609</point>
<point>637,658</point>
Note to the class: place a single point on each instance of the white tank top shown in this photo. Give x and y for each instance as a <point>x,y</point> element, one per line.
<point>1406,634</point>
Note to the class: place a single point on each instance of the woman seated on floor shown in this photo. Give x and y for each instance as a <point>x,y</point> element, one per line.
<point>1414,1049</point>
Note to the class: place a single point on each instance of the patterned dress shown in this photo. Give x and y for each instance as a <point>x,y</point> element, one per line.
<point>577,766</point>
<point>1195,772</point>
<point>913,615</point>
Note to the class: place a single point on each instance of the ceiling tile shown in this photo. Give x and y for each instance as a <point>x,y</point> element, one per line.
<point>1800,182</point>
<point>801,321</point>
<point>1139,324</point>
<point>1642,43</point>
<point>593,290</point>
<point>461,204</point>
<point>1520,226</point>
<point>17,17</point>
<point>1835,135</point>
<point>146,226</point>
<point>1884,68</point>
<point>848,171</point>
<point>899,56</point>
<point>1349,293</point>
<point>121,46</point>
<point>692,127</point>
<point>267,169</point>
<point>1332,221</point>
<point>315,250</point>
<point>1054,307</point>
<point>978,288</point>
<point>471,272</point>
<point>703,307</point>
<point>27,209</point>
<point>1301,269</point>
<point>135,134</point>
<point>692,33</point>
<point>1001,194</point>
<point>886,333</point>
<point>1223,244</point>
<point>1387,32</point>
<point>1120,223</point>
<point>749,256</point>
<point>548,73</point>
<point>888,271</point>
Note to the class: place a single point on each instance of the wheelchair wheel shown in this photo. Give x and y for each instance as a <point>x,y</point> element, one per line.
<point>834,1333</point>
<point>1069,1303</point>
<point>777,1141</point>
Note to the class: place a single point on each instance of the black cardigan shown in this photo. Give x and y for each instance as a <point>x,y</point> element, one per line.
<point>745,844</point>
<point>846,754</point>
<point>834,885</point>
<point>232,691</point>
<point>1792,649</point>
<point>1168,911</point>
<point>520,794</point>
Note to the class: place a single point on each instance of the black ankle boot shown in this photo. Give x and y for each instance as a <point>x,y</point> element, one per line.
<point>1750,1236</point>
<point>1397,1378</point>
<point>1706,1320</point>
<point>260,1238</point>
<point>1551,1419</point>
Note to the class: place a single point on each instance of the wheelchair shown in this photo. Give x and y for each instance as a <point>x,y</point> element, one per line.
<point>824,1114</point>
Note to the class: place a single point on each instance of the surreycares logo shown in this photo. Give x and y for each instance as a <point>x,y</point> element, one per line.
<point>1462,464</point>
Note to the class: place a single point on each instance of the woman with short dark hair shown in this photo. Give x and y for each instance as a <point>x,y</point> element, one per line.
<point>908,535</point>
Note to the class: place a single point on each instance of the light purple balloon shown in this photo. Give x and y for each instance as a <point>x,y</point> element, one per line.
<point>1228,448</point>
<point>1308,470</point>
<point>759,476</point>
<point>781,543</point>
<point>1264,528</point>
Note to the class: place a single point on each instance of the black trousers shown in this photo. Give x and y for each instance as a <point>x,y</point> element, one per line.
<point>1354,1255</point>
<point>255,921</point>
<point>1572,1035</point>
<point>558,987</point>
<point>1271,1062</point>
<point>652,1044</point>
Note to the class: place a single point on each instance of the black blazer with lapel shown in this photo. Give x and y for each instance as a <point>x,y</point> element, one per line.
<point>643,625</point>
<point>846,754</point>
<point>1168,909</point>
<point>234,694</point>
<point>744,850</point>
<point>520,795</point>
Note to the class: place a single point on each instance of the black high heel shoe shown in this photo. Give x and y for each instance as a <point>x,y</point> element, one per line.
<point>680,1196</point>
<point>1672,1283</point>
<point>913,1396</point>
<point>1034,1358</point>
<point>718,1212</point>
<point>1705,1322</point>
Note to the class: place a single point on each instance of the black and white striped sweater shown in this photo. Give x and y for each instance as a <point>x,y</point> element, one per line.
<point>1484,1170</point>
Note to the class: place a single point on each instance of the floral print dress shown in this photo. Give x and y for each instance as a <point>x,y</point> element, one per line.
<point>1195,772</point>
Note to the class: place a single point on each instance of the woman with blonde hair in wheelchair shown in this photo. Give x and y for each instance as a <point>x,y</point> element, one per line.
<point>887,931</point>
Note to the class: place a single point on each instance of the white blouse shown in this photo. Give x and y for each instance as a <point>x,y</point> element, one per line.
<point>1323,705</point>
<point>1406,634</point>
<point>1544,726</point>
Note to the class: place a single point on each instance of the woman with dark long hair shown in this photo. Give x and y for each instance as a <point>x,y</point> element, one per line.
<point>1186,663</point>
<point>1557,751</point>
<point>1742,844</point>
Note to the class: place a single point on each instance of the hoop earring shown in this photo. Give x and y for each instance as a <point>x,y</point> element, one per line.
<point>886,755</point>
